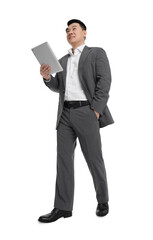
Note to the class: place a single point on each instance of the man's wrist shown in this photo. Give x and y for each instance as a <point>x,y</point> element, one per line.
<point>47,79</point>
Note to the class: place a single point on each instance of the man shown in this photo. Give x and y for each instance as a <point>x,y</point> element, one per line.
<point>83,88</point>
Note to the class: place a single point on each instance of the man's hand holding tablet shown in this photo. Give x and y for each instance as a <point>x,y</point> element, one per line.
<point>45,71</point>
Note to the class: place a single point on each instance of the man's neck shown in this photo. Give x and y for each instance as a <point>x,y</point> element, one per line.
<point>74,46</point>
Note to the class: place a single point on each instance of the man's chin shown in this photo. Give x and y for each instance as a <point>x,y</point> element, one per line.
<point>72,41</point>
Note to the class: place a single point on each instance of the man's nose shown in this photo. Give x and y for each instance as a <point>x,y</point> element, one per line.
<point>70,32</point>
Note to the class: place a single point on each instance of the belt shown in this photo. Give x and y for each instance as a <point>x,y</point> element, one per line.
<point>75,104</point>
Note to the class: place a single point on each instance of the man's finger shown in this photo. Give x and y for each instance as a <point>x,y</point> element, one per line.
<point>47,67</point>
<point>47,70</point>
<point>42,66</point>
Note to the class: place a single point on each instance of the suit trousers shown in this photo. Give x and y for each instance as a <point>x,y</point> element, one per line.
<point>81,123</point>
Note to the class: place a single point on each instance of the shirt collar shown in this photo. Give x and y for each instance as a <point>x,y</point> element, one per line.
<point>77,50</point>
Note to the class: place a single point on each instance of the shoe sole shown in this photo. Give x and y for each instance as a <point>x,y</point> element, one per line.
<point>102,214</point>
<point>67,215</point>
<point>46,221</point>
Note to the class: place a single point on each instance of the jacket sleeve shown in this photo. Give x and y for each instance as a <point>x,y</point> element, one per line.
<point>103,82</point>
<point>53,83</point>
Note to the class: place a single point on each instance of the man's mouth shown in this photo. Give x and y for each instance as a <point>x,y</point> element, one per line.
<point>71,37</point>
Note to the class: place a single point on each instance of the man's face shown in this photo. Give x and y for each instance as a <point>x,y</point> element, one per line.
<point>75,34</point>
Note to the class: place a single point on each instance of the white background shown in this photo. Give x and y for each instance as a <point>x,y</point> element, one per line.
<point>28,117</point>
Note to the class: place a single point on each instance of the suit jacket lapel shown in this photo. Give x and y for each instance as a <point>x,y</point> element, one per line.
<point>64,65</point>
<point>83,56</point>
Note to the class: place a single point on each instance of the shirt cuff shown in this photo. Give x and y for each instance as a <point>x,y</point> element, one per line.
<point>47,80</point>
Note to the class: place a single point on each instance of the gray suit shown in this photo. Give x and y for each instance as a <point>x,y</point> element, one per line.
<point>95,76</point>
<point>82,123</point>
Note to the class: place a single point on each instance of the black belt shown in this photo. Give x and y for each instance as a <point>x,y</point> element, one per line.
<point>75,104</point>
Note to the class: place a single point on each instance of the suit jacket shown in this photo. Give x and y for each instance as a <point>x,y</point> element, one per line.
<point>95,76</point>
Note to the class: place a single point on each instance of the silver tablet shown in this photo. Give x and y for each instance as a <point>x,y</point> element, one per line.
<point>45,55</point>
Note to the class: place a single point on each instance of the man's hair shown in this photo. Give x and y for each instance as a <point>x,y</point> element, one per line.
<point>83,26</point>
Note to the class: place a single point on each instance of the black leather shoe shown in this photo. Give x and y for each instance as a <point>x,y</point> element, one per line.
<point>54,215</point>
<point>102,209</point>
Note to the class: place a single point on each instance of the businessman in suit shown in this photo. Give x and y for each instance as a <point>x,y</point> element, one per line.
<point>83,88</point>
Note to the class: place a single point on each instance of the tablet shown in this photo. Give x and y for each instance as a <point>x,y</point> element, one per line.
<point>45,55</point>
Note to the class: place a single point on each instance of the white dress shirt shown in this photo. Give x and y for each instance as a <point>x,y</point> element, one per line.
<point>73,90</point>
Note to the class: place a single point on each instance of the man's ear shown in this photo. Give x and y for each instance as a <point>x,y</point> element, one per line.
<point>85,34</point>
